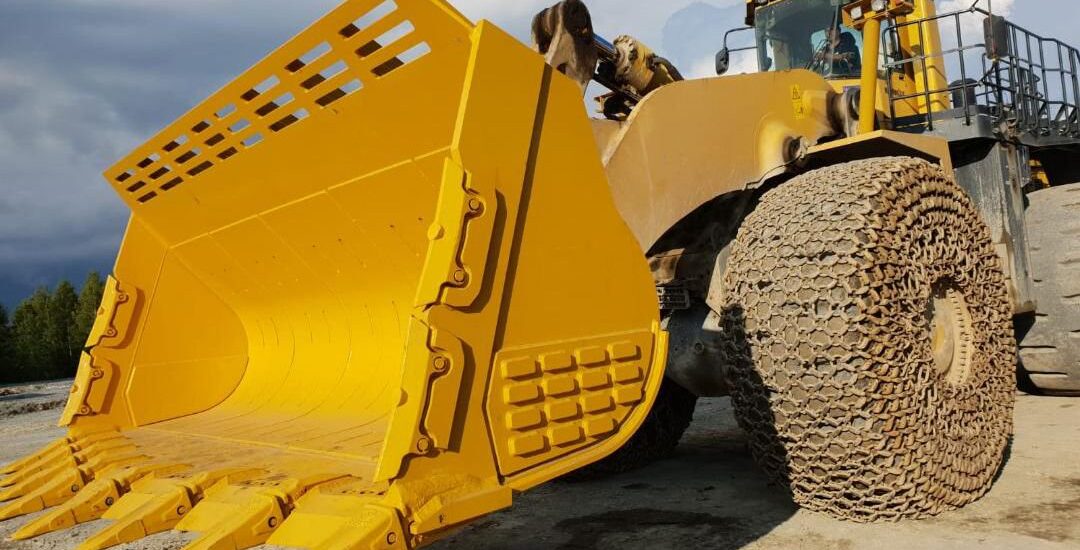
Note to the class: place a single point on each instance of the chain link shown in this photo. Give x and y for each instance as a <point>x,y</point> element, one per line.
<point>828,339</point>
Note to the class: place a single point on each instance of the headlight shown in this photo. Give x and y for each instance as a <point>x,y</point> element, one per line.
<point>879,5</point>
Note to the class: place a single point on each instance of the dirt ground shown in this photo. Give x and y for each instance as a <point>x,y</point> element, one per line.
<point>709,496</point>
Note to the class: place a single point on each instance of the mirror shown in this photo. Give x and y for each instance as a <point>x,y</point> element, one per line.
<point>723,57</point>
<point>996,29</point>
<point>723,61</point>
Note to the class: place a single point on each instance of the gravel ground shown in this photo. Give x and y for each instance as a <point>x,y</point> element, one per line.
<point>711,496</point>
<point>21,399</point>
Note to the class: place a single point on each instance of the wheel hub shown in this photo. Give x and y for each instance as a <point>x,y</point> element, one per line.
<point>951,333</point>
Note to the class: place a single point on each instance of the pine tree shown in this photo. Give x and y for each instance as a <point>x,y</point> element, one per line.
<point>33,357</point>
<point>61,315</point>
<point>86,311</point>
<point>48,331</point>
<point>7,359</point>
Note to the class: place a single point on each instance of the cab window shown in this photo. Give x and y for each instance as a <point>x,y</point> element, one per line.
<point>808,34</point>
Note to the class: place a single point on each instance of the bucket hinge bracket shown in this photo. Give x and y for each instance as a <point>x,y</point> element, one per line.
<point>426,414</point>
<point>95,379</point>
<point>113,315</point>
<point>460,241</point>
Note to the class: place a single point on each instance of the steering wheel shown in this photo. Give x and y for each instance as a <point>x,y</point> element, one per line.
<point>818,59</point>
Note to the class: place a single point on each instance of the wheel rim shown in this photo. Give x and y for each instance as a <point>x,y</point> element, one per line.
<point>952,335</point>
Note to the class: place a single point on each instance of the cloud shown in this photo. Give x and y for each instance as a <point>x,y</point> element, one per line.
<point>1000,7</point>
<point>643,19</point>
<point>84,81</point>
<point>971,24</point>
<point>744,62</point>
<point>52,139</point>
<point>693,34</point>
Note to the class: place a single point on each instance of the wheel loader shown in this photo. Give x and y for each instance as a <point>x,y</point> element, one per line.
<point>394,274</point>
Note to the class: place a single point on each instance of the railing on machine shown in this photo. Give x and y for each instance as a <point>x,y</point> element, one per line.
<point>1027,86</point>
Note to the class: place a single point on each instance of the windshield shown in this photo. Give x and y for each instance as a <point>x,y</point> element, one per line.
<point>808,34</point>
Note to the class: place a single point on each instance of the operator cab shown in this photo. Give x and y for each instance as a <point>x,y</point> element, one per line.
<point>808,34</point>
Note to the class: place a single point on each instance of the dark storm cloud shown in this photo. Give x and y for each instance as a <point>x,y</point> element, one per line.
<point>82,82</point>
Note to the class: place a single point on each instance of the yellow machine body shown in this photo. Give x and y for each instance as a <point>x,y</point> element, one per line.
<point>384,279</point>
<point>914,41</point>
<point>354,307</point>
<point>666,160</point>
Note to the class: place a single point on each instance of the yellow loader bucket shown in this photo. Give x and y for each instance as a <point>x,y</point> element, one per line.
<point>368,290</point>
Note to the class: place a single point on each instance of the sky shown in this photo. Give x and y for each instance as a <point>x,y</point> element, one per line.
<point>82,82</point>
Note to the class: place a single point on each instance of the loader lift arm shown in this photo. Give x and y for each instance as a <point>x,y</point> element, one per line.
<point>564,35</point>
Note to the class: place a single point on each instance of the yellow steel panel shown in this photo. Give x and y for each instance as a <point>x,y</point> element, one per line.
<point>522,393</point>
<point>561,385</point>
<point>628,396</point>
<point>591,356</point>
<point>627,373</point>
<point>596,403</point>
<point>353,298</point>
<point>599,427</point>
<point>666,160</point>
<point>564,436</point>
<point>562,410</point>
<point>545,393</point>
<point>523,420</point>
<point>556,362</point>
<point>525,445</point>
<point>111,299</point>
<point>519,367</point>
<point>592,380</point>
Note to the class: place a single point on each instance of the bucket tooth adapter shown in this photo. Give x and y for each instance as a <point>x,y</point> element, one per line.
<point>353,307</point>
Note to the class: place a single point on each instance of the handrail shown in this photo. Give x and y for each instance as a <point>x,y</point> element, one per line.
<point>1032,91</point>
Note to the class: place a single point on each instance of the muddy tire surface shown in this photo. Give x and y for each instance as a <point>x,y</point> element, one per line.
<point>1050,348</point>
<point>870,340</point>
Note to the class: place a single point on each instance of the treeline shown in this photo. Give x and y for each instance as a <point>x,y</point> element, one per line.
<point>43,338</point>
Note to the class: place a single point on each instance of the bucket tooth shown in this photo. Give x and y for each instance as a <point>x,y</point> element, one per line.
<point>101,452</point>
<point>340,521</point>
<point>47,492</point>
<point>92,501</point>
<point>38,480</point>
<point>52,456</point>
<point>153,513</point>
<point>59,447</point>
<point>88,504</point>
<point>156,504</point>
<point>74,467</point>
<point>106,462</point>
<point>237,515</point>
<point>60,470</point>
<point>62,453</point>
<point>84,441</point>
<point>25,480</point>
<point>244,526</point>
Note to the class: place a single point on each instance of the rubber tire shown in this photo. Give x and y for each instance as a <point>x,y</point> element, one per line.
<point>1050,348</point>
<point>657,438</point>
<point>827,294</point>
